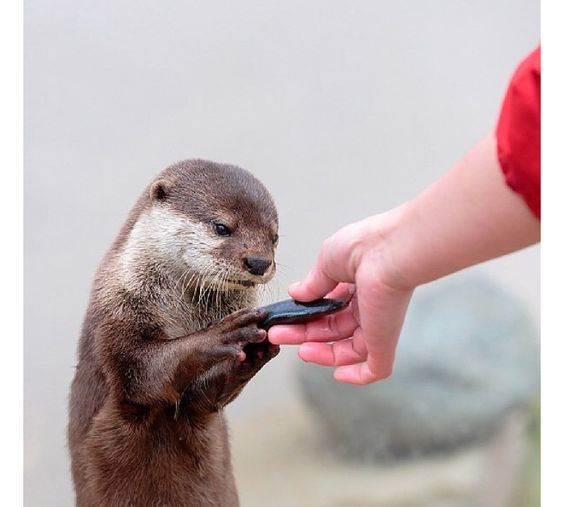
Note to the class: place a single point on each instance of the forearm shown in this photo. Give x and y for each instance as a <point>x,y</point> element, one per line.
<point>466,217</point>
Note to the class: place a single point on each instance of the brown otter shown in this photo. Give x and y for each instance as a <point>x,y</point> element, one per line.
<point>169,338</point>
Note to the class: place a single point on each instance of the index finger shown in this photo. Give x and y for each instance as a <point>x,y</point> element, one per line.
<point>332,327</point>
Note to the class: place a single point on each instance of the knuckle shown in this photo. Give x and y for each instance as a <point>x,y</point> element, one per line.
<point>260,313</point>
<point>239,314</point>
<point>332,326</point>
<point>253,334</point>
<point>384,373</point>
<point>232,336</point>
<point>259,334</point>
<point>245,314</point>
<point>232,350</point>
<point>326,245</point>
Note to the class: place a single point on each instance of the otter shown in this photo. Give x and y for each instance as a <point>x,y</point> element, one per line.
<point>170,337</point>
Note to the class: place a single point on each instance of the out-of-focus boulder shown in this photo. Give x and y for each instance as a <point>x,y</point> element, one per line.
<point>467,356</point>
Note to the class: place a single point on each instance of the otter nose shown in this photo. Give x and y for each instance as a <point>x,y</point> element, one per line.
<point>257,265</point>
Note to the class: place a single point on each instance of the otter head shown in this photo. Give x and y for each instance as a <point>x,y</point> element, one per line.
<point>217,224</point>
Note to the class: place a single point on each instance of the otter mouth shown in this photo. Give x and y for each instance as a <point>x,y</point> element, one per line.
<point>230,284</point>
<point>243,284</point>
<point>236,283</point>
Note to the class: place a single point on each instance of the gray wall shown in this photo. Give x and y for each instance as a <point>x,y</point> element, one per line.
<point>342,109</point>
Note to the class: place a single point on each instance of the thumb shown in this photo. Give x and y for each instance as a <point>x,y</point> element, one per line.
<point>314,286</point>
<point>330,269</point>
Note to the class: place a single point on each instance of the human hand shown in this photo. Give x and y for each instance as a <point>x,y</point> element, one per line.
<point>467,216</point>
<point>360,340</point>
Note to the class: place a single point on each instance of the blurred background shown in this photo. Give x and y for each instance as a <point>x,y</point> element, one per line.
<point>342,109</point>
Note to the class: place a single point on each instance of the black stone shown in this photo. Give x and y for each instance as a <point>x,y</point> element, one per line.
<point>294,312</point>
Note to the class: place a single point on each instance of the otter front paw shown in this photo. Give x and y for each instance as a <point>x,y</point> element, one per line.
<point>235,350</point>
<point>253,350</point>
<point>236,374</point>
<point>256,356</point>
<point>234,334</point>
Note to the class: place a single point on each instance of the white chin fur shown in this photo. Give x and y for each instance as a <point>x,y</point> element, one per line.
<point>180,245</point>
<point>171,238</point>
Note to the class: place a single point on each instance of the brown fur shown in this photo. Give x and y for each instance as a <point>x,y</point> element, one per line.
<point>161,351</point>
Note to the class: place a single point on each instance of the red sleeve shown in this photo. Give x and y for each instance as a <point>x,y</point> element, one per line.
<point>518,132</point>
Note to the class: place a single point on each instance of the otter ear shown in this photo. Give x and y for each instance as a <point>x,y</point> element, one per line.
<point>158,190</point>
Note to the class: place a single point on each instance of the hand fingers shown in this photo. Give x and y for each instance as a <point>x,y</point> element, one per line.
<point>333,265</point>
<point>314,286</point>
<point>378,362</point>
<point>343,291</point>
<point>332,327</point>
<point>362,373</point>
<point>344,352</point>
<point>382,311</point>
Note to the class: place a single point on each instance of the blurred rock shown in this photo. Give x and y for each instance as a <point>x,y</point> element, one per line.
<point>467,357</point>
<point>279,459</point>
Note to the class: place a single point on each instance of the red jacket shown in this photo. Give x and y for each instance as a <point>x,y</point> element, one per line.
<point>518,132</point>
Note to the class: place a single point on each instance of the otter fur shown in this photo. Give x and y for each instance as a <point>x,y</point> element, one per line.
<point>169,338</point>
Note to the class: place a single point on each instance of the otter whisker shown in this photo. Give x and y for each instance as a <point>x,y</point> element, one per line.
<point>215,291</point>
<point>198,287</point>
<point>181,280</point>
<point>200,281</point>
<point>217,282</point>
<point>207,288</point>
<point>194,283</point>
<point>207,285</point>
<point>224,288</point>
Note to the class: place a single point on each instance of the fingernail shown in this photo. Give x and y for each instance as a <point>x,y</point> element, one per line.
<point>295,285</point>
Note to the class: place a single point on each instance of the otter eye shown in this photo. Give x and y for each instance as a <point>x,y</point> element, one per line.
<point>222,230</point>
<point>275,239</point>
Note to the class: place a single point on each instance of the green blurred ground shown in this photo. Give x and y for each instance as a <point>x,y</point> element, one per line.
<point>528,494</point>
